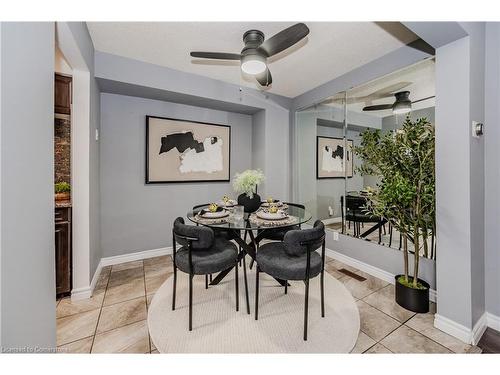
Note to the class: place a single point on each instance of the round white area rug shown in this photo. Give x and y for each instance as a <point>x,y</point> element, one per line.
<point>218,328</point>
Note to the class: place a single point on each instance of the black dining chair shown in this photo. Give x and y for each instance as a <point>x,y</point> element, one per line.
<point>218,232</point>
<point>201,253</point>
<point>295,258</point>
<point>356,213</point>
<point>278,234</point>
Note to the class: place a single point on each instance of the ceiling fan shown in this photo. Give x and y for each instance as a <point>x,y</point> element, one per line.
<point>254,55</point>
<point>378,94</point>
<point>401,105</point>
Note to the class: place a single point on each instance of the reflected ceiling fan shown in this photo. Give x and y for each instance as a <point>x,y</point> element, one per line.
<point>402,104</point>
<point>254,55</point>
<point>378,94</point>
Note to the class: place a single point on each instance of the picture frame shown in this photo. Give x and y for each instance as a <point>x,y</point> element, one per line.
<point>330,158</point>
<point>186,151</point>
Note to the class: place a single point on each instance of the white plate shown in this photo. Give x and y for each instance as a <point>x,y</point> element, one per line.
<point>269,216</point>
<point>278,203</point>
<point>214,215</point>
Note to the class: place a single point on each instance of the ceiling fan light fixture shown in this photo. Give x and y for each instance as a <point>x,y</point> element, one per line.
<point>253,64</point>
<point>402,103</point>
<point>400,108</point>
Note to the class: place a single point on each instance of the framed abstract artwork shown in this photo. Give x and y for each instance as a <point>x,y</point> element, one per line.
<point>332,161</point>
<point>186,151</point>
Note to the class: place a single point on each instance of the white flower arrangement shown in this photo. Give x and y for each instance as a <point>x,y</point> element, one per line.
<point>247,181</point>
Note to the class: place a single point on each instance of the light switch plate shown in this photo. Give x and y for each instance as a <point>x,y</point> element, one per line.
<point>97,134</point>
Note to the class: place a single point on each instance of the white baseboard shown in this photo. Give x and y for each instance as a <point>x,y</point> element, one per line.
<point>84,293</point>
<point>109,261</point>
<point>461,332</point>
<point>493,321</point>
<point>369,269</point>
<point>81,293</point>
<point>453,328</point>
<point>479,328</point>
<point>332,220</point>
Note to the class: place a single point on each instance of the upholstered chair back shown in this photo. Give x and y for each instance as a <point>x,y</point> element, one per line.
<point>204,235</point>
<point>298,241</point>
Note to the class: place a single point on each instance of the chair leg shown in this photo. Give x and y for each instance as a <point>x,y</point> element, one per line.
<point>379,235</point>
<point>191,302</point>
<point>306,309</point>
<point>175,286</point>
<point>286,286</point>
<point>246,283</point>
<point>390,235</point>
<point>237,287</point>
<point>257,292</point>
<point>210,278</point>
<point>322,281</point>
<point>206,281</point>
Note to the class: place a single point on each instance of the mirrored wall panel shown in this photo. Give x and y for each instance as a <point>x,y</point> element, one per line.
<point>320,180</point>
<point>333,174</point>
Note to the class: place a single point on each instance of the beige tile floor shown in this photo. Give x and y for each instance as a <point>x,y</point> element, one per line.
<point>114,319</point>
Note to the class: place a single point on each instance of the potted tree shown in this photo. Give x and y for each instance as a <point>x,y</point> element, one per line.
<point>62,191</point>
<point>246,184</point>
<point>405,196</point>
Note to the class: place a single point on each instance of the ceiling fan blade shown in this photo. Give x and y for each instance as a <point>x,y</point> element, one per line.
<point>216,55</point>
<point>265,78</point>
<point>379,107</point>
<point>421,100</point>
<point>284,39</point>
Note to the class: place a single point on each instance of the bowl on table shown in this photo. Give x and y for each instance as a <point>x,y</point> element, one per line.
<point>275,202</point>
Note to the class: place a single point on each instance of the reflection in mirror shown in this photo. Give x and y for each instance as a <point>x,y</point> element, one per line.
<point>319,182</point>
<point>381,108</point>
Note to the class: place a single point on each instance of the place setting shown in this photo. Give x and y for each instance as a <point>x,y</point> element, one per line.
<point>272,212</point>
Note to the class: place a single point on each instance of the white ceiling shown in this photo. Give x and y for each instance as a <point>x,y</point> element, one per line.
<point>330,50</point>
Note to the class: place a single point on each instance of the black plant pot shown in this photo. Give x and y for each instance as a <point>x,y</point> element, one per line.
<point>250,205</point>
<point>416,300</point>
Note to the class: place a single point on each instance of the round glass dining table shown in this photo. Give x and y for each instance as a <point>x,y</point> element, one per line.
<point>296,216</point>
<point>238,230</point>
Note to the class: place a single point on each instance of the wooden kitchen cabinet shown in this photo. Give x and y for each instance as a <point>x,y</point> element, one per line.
<point>62,94</point>
<point>63,251</point>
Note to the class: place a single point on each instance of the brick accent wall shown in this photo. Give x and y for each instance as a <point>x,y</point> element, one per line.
<point>62,151</point>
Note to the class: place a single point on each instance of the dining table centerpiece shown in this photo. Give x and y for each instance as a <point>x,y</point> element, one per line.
<point>246,184</point>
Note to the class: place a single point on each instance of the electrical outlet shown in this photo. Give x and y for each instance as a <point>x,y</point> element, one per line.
<point>335,236</point>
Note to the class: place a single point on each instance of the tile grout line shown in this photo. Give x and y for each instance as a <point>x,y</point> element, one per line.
<point>146,302</point>
<point>100,311</point>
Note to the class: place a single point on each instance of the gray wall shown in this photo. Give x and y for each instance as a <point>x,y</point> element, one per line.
<point>82,38</point>
<point>460,206</point>
<point>259,142</point>
<point>27,185</point>
<point>492,170</point>
<point>136,216</point>
<point>135,78</point>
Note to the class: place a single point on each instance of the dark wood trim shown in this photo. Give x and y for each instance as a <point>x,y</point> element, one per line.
<point>190,181</point>
<point>317,157</point>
